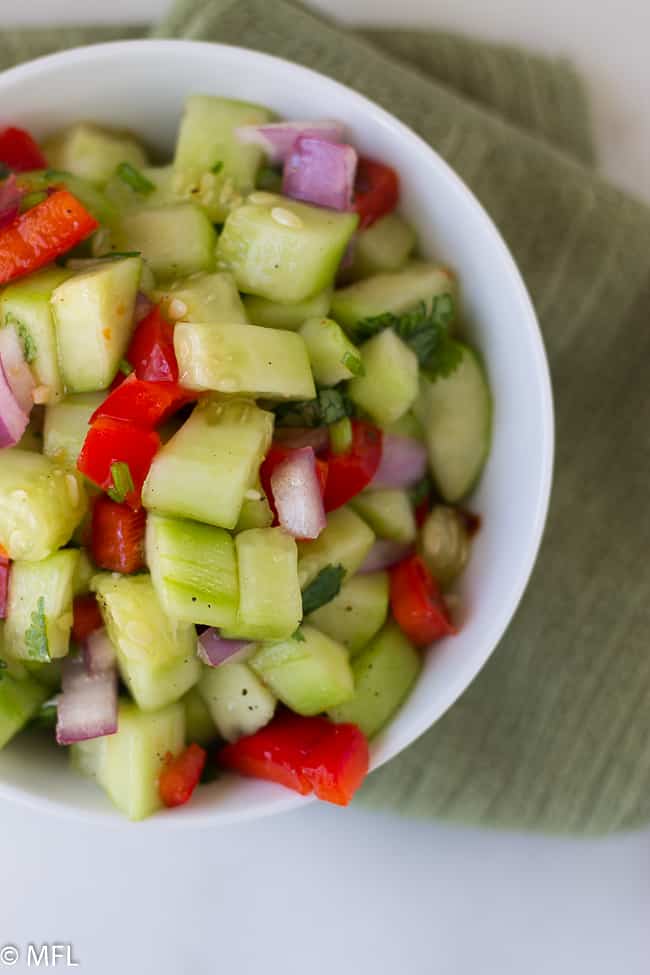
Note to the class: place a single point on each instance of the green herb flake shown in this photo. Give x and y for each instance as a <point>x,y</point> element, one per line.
<point>32,199</point>
<point>322,589</point>
<point>218,166</point>
<point>135,179</point>
<point>298,636</point>
<point>334,405</point>
<point>30,349</point>
<point>36,641</point>
<point>45,717</point>
<point>122,482</point>
<point>354,363</point>
<point>421,491</point>
<point>269,179</point>
<point>125,367</point>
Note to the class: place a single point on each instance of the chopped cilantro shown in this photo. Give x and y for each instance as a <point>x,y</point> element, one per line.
<point>269,179</point>
<point>36,634</point>
<point>218,166</point>
<point>329,406</point>
<point>298,636</point>
<point>135,179</point>
<point>354,363</point>
<point>122,482</point>
<point>322,589</point>
<point>125,367</point>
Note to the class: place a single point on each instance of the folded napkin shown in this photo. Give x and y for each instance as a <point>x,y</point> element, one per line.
<point>554,734</point>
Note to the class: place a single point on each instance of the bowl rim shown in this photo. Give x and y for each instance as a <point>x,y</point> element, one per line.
<point>204,817</point>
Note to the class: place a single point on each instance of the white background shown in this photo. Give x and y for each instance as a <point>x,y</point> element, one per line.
<point>351,893</point>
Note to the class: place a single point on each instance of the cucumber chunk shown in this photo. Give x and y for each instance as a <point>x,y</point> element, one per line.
<point>66,426</point>
<point>345,540</point>
<point>395,291</point>
<point>193,570</point>
<point>40,504</point>
<point>456,413</point>
<point>156,654</point>
<point>270,604</point>
<point>93,312</point>
<point>92,152</point>
<point>237,700</point>
<point>39,609</point>
<point>283,250</point>
<point>123,196</point>
<point>385,246</point>
<point>309,675</point>
<point>127,764</point>
<point>206,297</point>
<point>332,355</point>
<point>26,305</point>
<point>92,198</point>
<point>383,675</point>
<point>199,726</point>
<point>254,514</point>
<point>174,240</point>
<point>357,613</point>
<point>279,314</point>
<point>389,385</point>
<point>388,512</point>
<point>204,471</point>
<point>19,701</point>
<point>211,165</point>
<point>253,361</point>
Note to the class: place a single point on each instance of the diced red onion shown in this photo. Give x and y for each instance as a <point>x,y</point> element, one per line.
<point>278,139</point>
<point>403,462</point>
<point>383,554</point>
<point>143,306</point>
<point>98,652</point>
<point>17,371</point>
<point>297,495</point>
<point>316,437</point>
<point>87,707</point>
<point>320,172</point>
<point>13,421</point>
<point>214,650</point>
<point>10,197</point>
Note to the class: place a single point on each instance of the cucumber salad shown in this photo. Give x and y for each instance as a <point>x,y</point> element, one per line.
<point>238,423</point>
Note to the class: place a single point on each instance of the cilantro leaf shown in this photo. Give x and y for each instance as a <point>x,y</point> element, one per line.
<point>354,363</point>
<point>329,406</point>
<point>122,482</point>
<point>298,636</point>
<point>36,641</point>
<point>218,166</point>
<point>134,178</point>
<point>30,348</point>
<point>322,589</point>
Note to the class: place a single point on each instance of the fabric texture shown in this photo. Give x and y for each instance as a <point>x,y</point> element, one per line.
<point>554,734</point>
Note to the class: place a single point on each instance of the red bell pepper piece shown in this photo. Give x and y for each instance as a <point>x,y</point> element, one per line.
<point>417,603</point>
<point>41,234</point>
<point>86,617</point>
<point>110,442</point>
<point>151,352</point>
<point>143,403</point>
<point>117,536</point>
<point>5,569</point>
<point>304,754</point>
<point>19,151</point>
<point>180,776</point>
<point>376,191</point>
<point>276,456</point>
<point>350,472</point>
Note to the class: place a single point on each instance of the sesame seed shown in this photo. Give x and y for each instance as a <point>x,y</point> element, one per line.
<point>287,218</point>
<point>252,495</point>
<point>176,309</point>
<point>261,198</point>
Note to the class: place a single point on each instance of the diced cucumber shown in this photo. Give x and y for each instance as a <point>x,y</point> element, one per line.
<point>93,312</point>
<point>332,355</point>
<point>156,654</point>
<point>206,298</point>
<point>345,540</point>
<point>83,574</point>
<point>253,361</point>
<point>385,246</point>
<point>389,385</point>
<point>40,504</point>
<point>26,305</point>
<point>19,701</point>
<point>270,604</point>
<point>211,164</point>
<point>388,512</point>
<point>92,152</point>
<point>199,726</point>
<point>395,291</point>
<point>92,198</point>
<point>123,196</point>
<point>66,426</point>
<point>407,426</point>
<point>279,314</point>
<point>456,413</point>
<point>283,250</point>
<point>174,240</point>
<point>357,613</point>
<point>204,471</point>
<point>127,764</point>
<point>39,609</point>
<point>238,701</point>
<point>383,675</point>
<point>254,514</point>
<point>193,570</point>
<point>444,543</point>
<point>309,675</point>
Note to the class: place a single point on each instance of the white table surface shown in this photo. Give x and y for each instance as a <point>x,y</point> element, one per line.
<point>322,890</point>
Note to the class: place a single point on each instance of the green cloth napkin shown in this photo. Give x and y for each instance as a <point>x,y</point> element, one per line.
<point>555,732</point>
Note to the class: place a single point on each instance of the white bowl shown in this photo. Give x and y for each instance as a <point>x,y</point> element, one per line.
<point>142,85</point>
